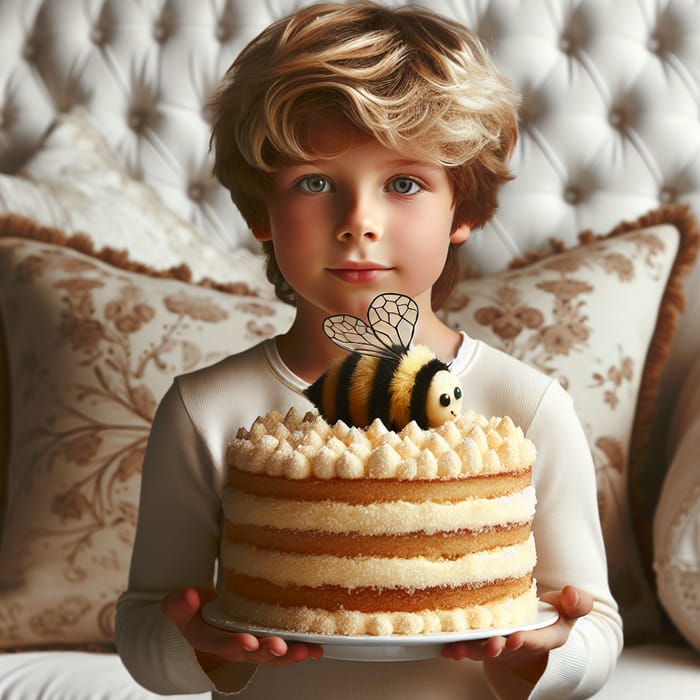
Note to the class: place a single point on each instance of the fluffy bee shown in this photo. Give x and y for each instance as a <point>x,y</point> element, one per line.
<point>383,376</point>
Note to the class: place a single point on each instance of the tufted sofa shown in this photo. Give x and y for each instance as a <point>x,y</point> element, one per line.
<point>104,143</point>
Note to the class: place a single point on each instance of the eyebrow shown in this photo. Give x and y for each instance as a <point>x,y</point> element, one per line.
<point>401,162</point>
<point>397,163</point>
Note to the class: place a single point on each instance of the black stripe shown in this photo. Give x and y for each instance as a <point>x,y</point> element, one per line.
<point>419,395</point>
<point>314,393</point>
<point>342,394</point>
<point>379,397</point>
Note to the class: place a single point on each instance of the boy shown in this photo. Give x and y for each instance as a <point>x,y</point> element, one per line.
<point>362,145</point>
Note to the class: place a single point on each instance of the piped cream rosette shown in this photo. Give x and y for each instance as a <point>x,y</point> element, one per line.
<point>302,447</point>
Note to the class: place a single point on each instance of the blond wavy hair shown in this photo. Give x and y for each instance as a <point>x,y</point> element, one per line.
<point>417,82</point>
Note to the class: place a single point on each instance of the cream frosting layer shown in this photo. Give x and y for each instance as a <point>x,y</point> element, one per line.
<point>314,570</point>
<point>300,447</point>
<point>496,614</point>
<point>385,518</point>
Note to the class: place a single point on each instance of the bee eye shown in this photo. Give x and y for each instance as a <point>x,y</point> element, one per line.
<point>445,399</point>
<point>458,393</point>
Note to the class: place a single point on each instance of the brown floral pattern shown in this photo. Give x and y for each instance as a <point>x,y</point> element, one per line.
<point>586,317</point>
<point>93,350</point>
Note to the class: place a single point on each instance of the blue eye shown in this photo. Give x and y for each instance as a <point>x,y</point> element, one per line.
<point>315,184</point>
<point>404,185</point>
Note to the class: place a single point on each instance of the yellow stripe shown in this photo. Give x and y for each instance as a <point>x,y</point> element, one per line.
<point>360,390</point>
<point>403,381</point>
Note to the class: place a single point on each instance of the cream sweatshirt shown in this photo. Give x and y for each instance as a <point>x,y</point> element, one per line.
<point>178,533</point>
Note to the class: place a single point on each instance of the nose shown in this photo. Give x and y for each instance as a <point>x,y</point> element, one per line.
<point>351,235</point>
<point>359,221</point>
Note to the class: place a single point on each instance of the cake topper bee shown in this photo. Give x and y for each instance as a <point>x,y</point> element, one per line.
<point>383,376</point>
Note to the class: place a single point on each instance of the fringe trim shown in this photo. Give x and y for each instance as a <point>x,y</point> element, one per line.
<point>647,463</point>
<point>89,647</point>
<point>16,226</point>
<point>671,307</point>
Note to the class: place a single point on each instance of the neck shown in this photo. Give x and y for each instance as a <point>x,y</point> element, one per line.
<point>305,348</point>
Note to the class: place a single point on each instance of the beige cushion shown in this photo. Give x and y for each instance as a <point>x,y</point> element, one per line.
<point>95,345</point>
<point>93,348</point>
<point>73,182</point>
<point>677,519</point>
<point>600,318</point>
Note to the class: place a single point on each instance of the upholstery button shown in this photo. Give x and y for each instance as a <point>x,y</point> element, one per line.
<point>31,49</point>
<point>195,191</point>
<point>160,32</point>
<point>222,31</point>
<point>572,195</point>
<point>98,36</point>
<point>654,44</point>
<point>566,45</point>
<point>667,195</point>
<point>616,118</point>
<point>137,119</point>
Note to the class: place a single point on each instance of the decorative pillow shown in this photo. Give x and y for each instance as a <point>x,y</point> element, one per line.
<point>677,518</point>
<point>74,183</point>
<point>599,318</point>
<point>4,420</point>
<point>93,348</point>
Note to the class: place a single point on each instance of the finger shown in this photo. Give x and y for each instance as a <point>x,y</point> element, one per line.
<point>297,652</point>
<point>456,651</point>
<point>494,646</point>
<point>276,646</point>
<point>181,606</point>
<point>571,602</point>
<point>541,640</point>
<point>575,603</point>
<point>246,641</point>
<point>475,650</point>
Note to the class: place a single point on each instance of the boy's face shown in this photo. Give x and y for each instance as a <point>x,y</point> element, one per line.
<point>350,226</point>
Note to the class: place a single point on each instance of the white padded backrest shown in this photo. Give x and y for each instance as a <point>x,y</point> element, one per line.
<point>610,123</point>
<point>611,98</point>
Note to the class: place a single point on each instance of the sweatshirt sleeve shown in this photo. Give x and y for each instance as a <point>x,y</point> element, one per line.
<point>570,549</point>
<point>176,546</point>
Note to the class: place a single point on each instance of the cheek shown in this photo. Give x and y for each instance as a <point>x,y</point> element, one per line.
<point>294,227</point>
<point>288,219</point>
<point>425,229</point>
<point>425,242</point>
<point>296,245</point>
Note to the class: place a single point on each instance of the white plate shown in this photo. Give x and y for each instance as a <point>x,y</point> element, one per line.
<point>377,648</point>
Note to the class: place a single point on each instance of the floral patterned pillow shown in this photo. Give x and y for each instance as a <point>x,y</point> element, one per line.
<point>600,318</point>
<point>95,345</point>
<point>677,517</point>
<point>75,183</point>
<point>93,348</point>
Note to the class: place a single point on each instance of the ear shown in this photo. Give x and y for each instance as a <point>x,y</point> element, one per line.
<point>261,232</point>
<point>461,233</point>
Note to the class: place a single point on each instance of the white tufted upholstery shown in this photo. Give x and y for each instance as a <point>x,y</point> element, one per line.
<point>610,115</point>
<point>611,94</point>
<point>610,118</point>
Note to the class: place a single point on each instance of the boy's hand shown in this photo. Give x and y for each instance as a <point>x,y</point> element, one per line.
<point>525,653</point>
<point>214,647</point>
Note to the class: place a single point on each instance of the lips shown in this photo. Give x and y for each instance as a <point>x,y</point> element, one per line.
<point>358,272</point>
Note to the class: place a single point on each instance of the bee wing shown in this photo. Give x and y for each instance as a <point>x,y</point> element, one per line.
<point>353,334</point>
<point>393,319</point>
